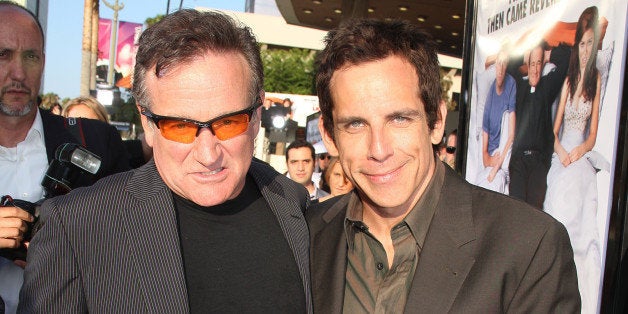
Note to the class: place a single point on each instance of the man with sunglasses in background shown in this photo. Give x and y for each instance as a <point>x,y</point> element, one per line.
<point>200,228</point>
<point>450,149</point>
<point>323,162</point>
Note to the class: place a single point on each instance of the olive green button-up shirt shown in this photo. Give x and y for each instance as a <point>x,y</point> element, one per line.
<point>373,286</point>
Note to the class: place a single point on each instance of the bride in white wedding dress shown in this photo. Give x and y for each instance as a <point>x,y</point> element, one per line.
<point>571,195</point>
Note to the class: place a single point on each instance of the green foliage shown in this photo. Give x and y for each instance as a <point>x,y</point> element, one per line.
<point>48,100</point>
<point>289,71</point>
<point>127,112</point>
<point>152,20</point>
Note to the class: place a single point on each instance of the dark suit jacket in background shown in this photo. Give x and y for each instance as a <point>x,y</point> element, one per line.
<point>101,139</point>
<point>484,253</point>
<point>114,247</point>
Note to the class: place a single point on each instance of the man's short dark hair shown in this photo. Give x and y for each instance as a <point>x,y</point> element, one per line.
<point>17,6</point>
<point>185,34</point>
<point>299,144</point>
<point>363,40</point>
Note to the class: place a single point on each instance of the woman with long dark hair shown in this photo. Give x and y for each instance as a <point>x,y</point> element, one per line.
<point>571,194</point>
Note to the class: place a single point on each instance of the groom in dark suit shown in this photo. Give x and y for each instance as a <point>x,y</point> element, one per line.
<point>413,236</point>
<point>202,227</point>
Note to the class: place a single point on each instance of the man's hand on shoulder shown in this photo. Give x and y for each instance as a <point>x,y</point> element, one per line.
<point>13,226</point>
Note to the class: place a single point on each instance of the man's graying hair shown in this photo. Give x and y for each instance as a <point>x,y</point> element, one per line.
<point>183,35</point>
<point>7,3</point>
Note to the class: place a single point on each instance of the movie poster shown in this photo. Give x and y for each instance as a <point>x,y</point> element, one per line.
<point>540,68</point>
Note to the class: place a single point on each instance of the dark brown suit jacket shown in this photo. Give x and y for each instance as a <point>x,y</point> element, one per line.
<point>484,253</point>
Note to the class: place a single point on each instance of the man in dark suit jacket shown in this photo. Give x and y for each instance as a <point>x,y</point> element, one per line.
<point>202,227</point>
<point>98,137</point>
<point>414,237</point>
<point>30,137</point>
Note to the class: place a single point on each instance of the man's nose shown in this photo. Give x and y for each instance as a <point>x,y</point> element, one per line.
<point>206,147</point>
<point>16,70</point>
<point>379,144</point>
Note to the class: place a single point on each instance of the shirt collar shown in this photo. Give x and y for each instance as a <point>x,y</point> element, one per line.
<point>418,219</point>
<point>36,132</point>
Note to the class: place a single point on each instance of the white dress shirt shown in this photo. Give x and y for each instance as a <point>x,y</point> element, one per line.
<point>22,167</point>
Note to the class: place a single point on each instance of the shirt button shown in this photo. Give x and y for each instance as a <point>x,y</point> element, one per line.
<point>380,266</point>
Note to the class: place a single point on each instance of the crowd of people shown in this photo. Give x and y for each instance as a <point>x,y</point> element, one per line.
<point>204,226</point>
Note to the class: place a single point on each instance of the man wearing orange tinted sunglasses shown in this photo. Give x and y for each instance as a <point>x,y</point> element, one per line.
<point>202,227</point>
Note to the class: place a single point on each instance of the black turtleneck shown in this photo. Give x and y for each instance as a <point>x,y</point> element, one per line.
<point>236,257</point>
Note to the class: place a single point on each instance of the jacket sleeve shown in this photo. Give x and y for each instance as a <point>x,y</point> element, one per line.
<point>550,283</point>
<point>118,155</point>
<point>52,279</point>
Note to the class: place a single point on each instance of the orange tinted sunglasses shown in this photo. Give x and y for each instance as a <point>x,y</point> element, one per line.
<point>185,131</point>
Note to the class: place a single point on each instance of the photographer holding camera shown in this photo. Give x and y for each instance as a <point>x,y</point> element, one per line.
<point>30,137</point>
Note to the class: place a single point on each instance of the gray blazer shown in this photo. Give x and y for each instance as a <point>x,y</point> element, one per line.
<point>484,253</point>
<point>114,247</point>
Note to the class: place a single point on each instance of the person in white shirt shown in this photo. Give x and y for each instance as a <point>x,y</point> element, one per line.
<point>300,162</point>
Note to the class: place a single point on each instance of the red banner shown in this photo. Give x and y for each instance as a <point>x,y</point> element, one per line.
<point>104,38</point>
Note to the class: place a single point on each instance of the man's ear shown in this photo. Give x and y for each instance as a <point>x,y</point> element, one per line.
<point>330,145</point>
<point>149,128</point>
<point>436,135</point>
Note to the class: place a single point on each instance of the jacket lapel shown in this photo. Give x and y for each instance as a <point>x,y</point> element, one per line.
<point>331,264</point>
<point>151,226</point>
<point>289,215</point>
<point>447,256</point>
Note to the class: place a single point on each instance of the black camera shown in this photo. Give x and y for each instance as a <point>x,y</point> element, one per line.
<point>73,166</point>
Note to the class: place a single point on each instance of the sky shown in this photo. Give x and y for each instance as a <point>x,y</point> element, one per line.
<point>62,74</point>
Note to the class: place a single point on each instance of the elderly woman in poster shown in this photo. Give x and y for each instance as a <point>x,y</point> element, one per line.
<point>571,194</point>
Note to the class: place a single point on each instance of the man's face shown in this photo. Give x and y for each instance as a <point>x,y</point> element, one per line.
<point>323,161</point>
<point>21,62</point>
<point>535,66</point>
<point>300,165</point>
<point>451,140</point>
<point>451,147</point>
<point>381,133</point>
<point>207,171</point>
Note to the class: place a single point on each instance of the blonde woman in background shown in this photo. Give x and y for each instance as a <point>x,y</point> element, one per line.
<point>86,107</point>
<point>90,108</point>
<point>339,184</point>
